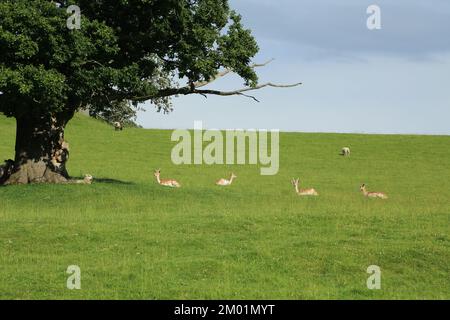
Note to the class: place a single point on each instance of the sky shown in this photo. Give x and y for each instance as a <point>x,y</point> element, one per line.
<point>355,80</point>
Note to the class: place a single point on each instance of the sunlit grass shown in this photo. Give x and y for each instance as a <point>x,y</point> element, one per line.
<point>254,240</point>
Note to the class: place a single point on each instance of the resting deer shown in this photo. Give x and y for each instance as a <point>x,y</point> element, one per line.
<point>225,182</point>
<point>380,195</point>
<point>87,180</point>
<point>303,192</point>
<point>167,182</point>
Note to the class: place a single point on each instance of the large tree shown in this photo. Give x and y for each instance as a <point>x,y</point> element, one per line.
<point>125,51</point>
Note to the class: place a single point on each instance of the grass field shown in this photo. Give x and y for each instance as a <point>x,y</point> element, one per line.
<point>254,240</point>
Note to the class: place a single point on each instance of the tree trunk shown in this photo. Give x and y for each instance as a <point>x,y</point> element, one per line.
<point>41,152</point>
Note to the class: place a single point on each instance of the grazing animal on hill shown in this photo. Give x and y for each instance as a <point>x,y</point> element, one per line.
<point>167,182</point>
<point>118,126</point>
<point>367,194</point>
<point>303,192</point>
<point>225,182</point>
<point>345,152</point>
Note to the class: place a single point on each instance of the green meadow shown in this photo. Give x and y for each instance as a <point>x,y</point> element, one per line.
<point>256,239</point>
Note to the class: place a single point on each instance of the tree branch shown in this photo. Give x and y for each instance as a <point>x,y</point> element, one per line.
<point>188,91</point>
<point>241,91</point>
<point>227,71</point>
<point>193,87</point>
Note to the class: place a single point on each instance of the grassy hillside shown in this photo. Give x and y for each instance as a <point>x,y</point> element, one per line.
<point>255,240</point>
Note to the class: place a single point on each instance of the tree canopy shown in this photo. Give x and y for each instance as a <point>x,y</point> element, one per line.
<point>125,50</point>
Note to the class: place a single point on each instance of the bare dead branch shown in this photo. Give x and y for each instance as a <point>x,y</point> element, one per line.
<point>188,91</point>
<point>227,71</point>
<point>193,88</point>
<point>256,65</point>
<point>217,76</point>
<point>241,91</point>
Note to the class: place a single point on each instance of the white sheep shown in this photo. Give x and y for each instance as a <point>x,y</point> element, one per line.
<point>345,152</point>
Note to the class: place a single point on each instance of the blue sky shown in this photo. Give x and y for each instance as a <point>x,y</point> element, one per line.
<point>393,80</point>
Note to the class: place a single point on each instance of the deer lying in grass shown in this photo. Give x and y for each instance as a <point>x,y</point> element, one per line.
<point>303,192</point>
<point>166,182</point>
<point>87,180</point>
<point>225,182</point>
<point>367,194</point>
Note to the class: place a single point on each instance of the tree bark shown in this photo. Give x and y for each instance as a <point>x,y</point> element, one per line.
<point>41,152</point>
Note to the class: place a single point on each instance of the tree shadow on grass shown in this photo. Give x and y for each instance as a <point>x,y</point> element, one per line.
<point>107,181</point>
